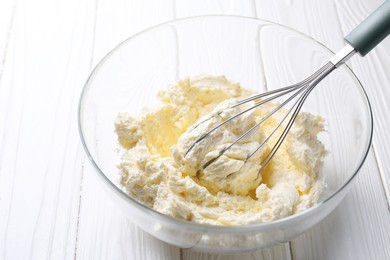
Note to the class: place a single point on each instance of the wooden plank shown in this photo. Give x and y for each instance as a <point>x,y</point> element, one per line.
<point>277,252</point>
<point>117,20</point>
<point>358,229</point>
<point>40,152</point>
<point>105,232</point>
<point>7,14</point>
<point>186,8</point>
<point>331,239</point>
<point>40,155</point>
<point>317,19</point>
<point>373,72</point>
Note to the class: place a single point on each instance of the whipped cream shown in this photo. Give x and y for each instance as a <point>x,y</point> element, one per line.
<point>214,168</point>
<point>231,189</point>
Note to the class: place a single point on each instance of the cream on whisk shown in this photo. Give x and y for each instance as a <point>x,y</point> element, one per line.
<point>214,168</point>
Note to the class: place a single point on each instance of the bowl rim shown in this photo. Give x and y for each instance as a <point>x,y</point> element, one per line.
<point>263,226</point>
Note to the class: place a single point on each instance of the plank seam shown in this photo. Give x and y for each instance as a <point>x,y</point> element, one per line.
<point>8,38</point>
<point>94,35</point>
<point>16,153</point>
<point>380,170</point>
<point>83,165</point>
<point>254,7</point>
<point>79,209</point>
<point>291,251</point>
<point>174,9</point>
<point>376,156</point>
<point>13,178</point>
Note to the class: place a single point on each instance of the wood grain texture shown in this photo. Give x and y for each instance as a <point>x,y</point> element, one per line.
<point>342,235</point>
<point>7,15</point>
<point>187,8</point>
<point>357,229</point>
<point>104,231</point>
<point>47,50</point>
<point>373,72</point>
<point>117,20</point>
<point>40,152</point>
<point>277,252</point>
<point>317,19</point>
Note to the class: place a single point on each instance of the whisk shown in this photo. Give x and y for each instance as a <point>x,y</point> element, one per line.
<point>362,39</point>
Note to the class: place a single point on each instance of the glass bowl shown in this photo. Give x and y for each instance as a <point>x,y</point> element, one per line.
<point>258,54</point>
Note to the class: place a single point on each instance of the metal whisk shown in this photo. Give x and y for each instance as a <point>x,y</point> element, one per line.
<point>362,39</point>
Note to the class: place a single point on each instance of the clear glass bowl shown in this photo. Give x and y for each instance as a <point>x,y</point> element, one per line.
<point>259,55</point>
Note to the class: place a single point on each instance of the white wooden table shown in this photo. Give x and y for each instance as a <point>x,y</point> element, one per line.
<point>51,204</point>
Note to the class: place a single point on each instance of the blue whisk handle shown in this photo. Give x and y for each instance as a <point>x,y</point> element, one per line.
<point>371,31</point>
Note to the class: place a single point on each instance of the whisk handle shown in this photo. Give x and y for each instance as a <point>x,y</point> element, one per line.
<point>371,31</point>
